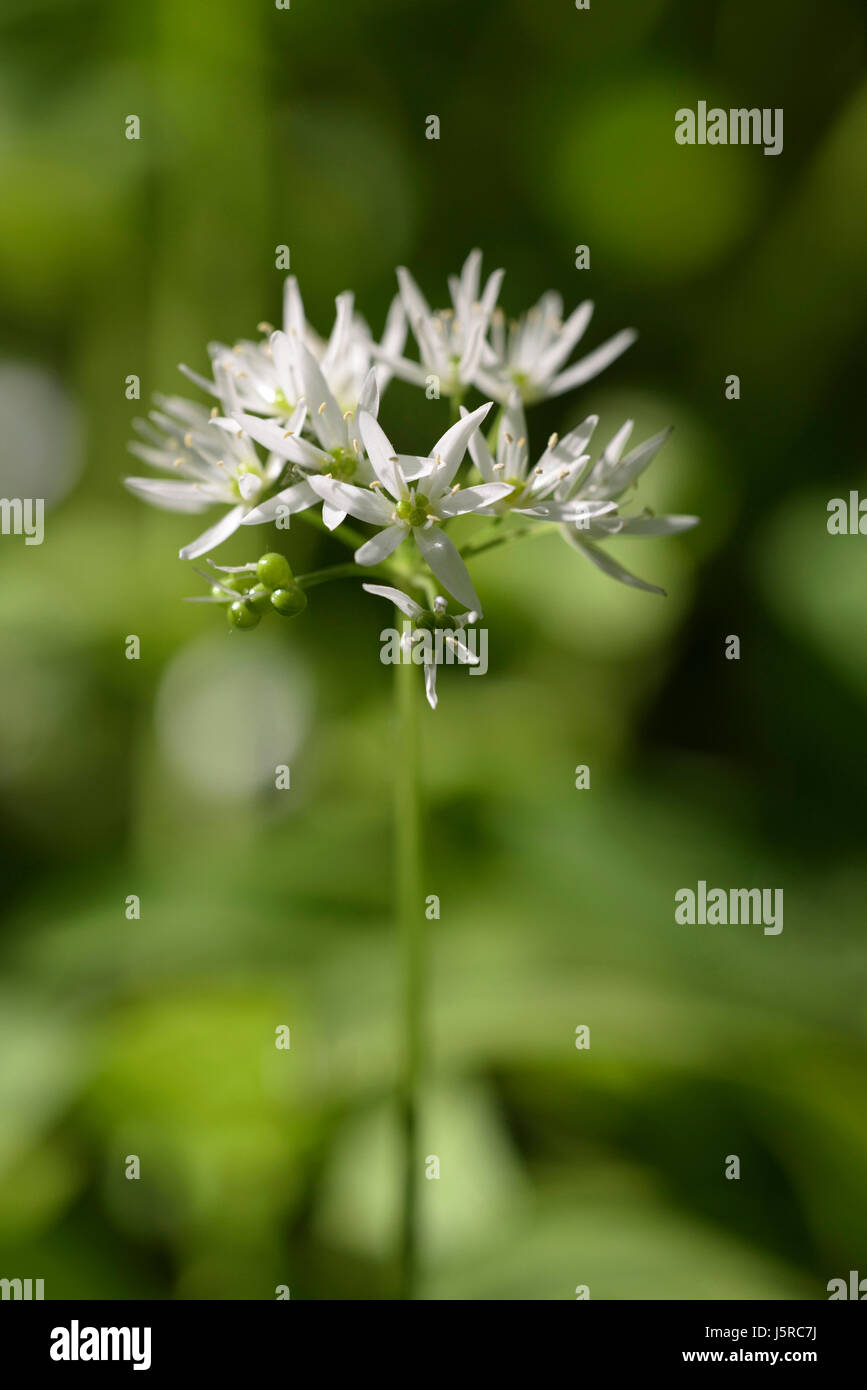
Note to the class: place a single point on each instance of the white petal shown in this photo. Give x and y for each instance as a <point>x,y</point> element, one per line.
<point>400,600</point>
<point>649,525</point>
<point>413,467</point>
<point>491,292</point>
<point>465,656</point>
<point>451,448</point>
<point>296,498</point>
<point>394,333</point>
<point>358,501</point>
<point>573,510</point>
<point>609,566</point>
<point>283,357</point>
<point>323,411</point>
<point>413,300</point>
<point>615,446</point>
<point>249,485</point>
<point>401,367</point>
<point>497,387</point>
<point>332,516</point>
<point>594,363</point>
<point>445,562</point>
<point>635,462</point>
<point>197,380</point>
<point>210,539</point>
<point>294,322</point>
<point>341,333</point>
<point>381,454</point>
<point>276,438</point>
<point>171,496</point>
<point>573,329</point>
<point>430,683</point>
<point>380,546</point>
<point>368,396</point>
<point>471,499</point>
<point>480,453</point>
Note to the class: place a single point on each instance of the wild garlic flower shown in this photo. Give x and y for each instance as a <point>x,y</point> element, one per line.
<point>337,449</point>
<point>401,510</point>
<point>426,621</point>
<point>450,341</point>
<point>533,489</point>
<point>256,377</point>
<point>211,467</point>
<point>530,354</point>
<point>609,478</point>
<point>266,378</point>
<point>312,405</point>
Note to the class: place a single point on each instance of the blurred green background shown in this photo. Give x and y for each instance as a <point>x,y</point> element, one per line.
<point>155,1037</point>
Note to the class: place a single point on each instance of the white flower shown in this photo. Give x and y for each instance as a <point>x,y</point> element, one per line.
<point>531,353</point>
<point>533,489</point>
<point>450,341</point>
<point>338,451</point>
<point>402,510</point>
<point>607,480</point>
<point>212,467</point>
<point>265,377</point>
<point>346,359</point>
<point>430,620</point>
<point>257,377</point>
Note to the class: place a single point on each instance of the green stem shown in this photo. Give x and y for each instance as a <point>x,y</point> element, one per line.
<point>347,571</point>
<point>407,810</point>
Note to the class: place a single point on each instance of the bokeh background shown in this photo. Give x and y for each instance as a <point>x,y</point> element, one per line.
<point>155,777</point>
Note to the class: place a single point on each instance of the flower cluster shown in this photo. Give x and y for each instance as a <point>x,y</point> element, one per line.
<point>294,430</point>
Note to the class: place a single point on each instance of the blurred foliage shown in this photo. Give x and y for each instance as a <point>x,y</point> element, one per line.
<point>156,1037</point>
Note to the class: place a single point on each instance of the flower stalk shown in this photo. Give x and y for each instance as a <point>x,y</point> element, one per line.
<point>407,840</point>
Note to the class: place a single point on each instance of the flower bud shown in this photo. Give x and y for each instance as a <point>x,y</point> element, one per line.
<point>242,615</point>
<point>259,597</point>
<point>289,600</point>
<point>273,569</point>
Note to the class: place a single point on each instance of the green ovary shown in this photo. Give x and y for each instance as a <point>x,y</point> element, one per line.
<point>414,512</point>
<point>343,465</point>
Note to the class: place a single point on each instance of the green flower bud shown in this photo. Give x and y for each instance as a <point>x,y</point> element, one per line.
<point>242,615</point>
<point>289,600</point>
<point>273,570</point>
<point>236,582</point>
<point>259,597</point>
